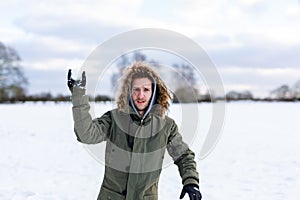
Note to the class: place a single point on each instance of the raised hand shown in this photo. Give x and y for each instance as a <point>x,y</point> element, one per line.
<point>75,83</point>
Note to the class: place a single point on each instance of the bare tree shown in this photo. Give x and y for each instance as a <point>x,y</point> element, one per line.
<point>12,80</point>
<point>184,87</point>
<point>296,90</point>
<point>185,73</point>
<point>234,95</point>
<point>138,56</point>
<point>125,61</point>
<point>283,92</point>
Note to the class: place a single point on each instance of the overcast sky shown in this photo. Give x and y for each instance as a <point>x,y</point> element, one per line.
<point>255,44</point>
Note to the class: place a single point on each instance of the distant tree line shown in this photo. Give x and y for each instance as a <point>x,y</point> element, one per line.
<point>281,93</point>
<point>286,93</point>
<point>182,80</point>
<point>48,97</point>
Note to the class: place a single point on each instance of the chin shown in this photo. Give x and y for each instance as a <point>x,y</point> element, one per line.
<point>141,108</point>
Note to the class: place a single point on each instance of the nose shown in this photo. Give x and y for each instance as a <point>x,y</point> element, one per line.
<point>140,94</point>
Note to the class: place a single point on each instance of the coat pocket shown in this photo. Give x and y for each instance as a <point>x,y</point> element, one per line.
<point>107,194</point>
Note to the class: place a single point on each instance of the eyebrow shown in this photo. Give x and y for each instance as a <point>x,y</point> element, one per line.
<point>145,85</point>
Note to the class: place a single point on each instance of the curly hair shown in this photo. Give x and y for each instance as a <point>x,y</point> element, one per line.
<point>141,70</point>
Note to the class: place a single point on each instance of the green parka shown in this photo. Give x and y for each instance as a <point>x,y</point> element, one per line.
<point>135,149</point>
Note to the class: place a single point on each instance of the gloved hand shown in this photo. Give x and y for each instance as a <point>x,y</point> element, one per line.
<point>192,190</point>
<point>76,83</point>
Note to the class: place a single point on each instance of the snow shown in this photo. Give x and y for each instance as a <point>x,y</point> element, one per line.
<point>257,156</point>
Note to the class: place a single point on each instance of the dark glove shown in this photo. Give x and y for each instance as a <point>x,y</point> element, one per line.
<point>76,83</point>
<point>192,190</point>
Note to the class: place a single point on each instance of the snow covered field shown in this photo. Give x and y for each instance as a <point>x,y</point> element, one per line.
<point>257,156</point>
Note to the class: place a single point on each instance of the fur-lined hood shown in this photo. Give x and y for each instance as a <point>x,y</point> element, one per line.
<point>162,94</point>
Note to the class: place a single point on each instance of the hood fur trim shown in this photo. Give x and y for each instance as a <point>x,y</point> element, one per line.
<point>162,93</point>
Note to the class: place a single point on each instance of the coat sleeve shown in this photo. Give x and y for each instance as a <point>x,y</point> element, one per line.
<point>88,131</point>
<point>183,157</point>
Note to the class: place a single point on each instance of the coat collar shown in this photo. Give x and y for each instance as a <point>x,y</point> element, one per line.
<point>154,110</point>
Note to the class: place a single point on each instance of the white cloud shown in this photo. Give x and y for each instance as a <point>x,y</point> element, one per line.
<point>244,33</point>
<point>192,17</point>
<point>42,52</point>
<point>61,64</point>
<point>293,11</point>
<point>104,11</point>
<point>261,18</point>
<point>10,35</point>
<point>292,73</point>
<point>249,2</point>
<point>258,80</point>
<point>238,87</point>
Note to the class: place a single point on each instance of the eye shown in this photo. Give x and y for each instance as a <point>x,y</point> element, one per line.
<point>135,89</point>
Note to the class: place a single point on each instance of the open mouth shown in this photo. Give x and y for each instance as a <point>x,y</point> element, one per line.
<point>140,101</point>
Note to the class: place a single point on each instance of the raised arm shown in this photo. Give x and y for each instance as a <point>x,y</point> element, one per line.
<point>87,130</point>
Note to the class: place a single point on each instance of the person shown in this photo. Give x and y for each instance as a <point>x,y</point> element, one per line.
<point>137,133</point>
